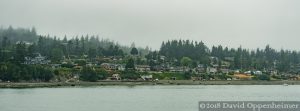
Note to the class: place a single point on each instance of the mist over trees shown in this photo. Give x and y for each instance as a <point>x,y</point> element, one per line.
<point>18,34</point>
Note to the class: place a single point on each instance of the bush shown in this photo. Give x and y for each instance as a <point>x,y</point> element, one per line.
<point>88,74</point>
<point>102,74</point>
<point>130,74</point>
<point>179,76</point>
<point>263,77</point>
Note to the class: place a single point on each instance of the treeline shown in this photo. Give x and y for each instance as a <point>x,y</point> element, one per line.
<point>76,47</point>
<point>240,58</point>
<point>176,49</point>
<point>18,72</point>
<point>57,49</point>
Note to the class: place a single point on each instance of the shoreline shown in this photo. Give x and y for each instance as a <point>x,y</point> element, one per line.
<point>136,83</point>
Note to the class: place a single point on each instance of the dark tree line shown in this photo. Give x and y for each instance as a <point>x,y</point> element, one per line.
<point>260,59</point>
<point>176,49</point>
<point>90,46</point>
<point>17,72</point>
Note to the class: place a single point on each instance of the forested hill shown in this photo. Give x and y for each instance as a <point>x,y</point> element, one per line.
<point>55,49</point>
<point>40,57</point>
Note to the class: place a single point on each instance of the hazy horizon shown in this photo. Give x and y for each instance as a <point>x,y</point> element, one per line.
<point>249,23</point>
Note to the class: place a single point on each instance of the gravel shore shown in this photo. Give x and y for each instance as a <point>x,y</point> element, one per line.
<point>133,83</point>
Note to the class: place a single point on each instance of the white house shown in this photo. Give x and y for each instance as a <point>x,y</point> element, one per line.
<point>147,77</point>
<point>211,70</point>
<point>258,72</point>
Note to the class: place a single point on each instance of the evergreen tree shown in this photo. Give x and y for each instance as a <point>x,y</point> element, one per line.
<point>130,64</point>
<point>134,51</point>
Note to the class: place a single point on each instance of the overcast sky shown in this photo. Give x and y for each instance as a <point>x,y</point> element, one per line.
<point>250,23</point>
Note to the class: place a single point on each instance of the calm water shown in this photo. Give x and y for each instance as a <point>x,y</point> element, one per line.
<point>138,98</point>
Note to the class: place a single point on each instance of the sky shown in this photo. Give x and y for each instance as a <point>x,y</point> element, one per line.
<point>248,23</point>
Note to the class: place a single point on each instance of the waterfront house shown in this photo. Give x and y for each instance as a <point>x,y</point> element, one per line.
<point>248,72</point>
<point>147,77</point>
<point>115,77</point>
<point>257,73</point>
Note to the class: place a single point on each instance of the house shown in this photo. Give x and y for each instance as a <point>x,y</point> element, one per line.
<point>38,59</point>
<point>109,66</point>
<point>115,77</point>
<point>121,67</point>
<point>273,72</point>
<point>211,70</point>
<point>147,77</point>
<point>200,68</point>
<point>176,69</point>
<point>248,72</point>
<point>25,42</point>
<point>142,68</point>
<point>237,71</point>
<point>257,72</point>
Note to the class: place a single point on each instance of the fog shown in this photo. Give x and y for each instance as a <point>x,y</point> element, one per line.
<point>249,23</point>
